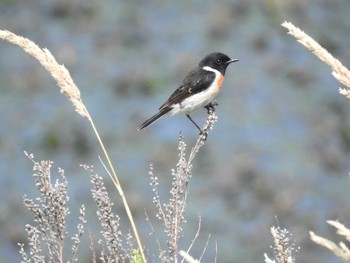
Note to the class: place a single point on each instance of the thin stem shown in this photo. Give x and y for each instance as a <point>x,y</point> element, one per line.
<point>120,190</point>
<point>68,88</point>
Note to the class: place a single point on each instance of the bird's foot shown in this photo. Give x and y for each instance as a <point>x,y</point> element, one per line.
<point>210,107</point>
<point>204,134</point>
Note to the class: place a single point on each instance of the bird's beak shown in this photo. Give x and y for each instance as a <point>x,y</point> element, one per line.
<point>231,61</point>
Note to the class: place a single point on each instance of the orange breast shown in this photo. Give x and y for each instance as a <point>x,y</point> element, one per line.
<point>219,81</point>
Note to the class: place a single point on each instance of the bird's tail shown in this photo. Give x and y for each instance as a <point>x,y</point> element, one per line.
<point>154,118</point>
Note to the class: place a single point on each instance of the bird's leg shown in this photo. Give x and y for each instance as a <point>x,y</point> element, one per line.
<point>188,116</point>
<point>200,130</point>
<point>210,107</point>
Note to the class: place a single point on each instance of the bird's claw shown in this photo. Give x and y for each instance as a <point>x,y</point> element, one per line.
<point>204,134</point>
<point>211,106</point>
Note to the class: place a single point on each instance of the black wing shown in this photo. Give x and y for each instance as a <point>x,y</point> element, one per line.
<point>196,81</point>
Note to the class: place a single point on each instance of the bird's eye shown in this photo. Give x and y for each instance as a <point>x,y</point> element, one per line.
<point>218,61</point>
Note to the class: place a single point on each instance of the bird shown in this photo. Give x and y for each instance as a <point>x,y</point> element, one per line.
<point>197,90</point>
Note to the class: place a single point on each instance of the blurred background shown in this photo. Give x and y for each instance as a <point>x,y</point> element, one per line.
<point>280,147</point>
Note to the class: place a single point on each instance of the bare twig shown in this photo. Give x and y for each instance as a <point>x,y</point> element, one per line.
<point>195,237</point>
<point>205,247</point>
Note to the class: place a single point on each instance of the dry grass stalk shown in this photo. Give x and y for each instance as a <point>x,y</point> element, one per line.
<point>47,235</point>
<point>58,72</point>
<point>67,87</point>
<point>194,239</point>
<point>340,250</point>
<point>283,248</point>
<point>112,243</point>
<point>341,73</point>
<point>172,213</point>
<point>341,229</point>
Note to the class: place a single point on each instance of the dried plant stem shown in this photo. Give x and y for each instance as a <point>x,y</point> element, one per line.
<point>284,249</point>
<point>121,192</point>
<point>340,249</point>
<point>58,72</point>
<point>195,238</point>
<point>172,213</point>
<point>212,119</point>
<point>205,247</point>
<point>63,79</point>
<point>341,229</point>
<point>341,73</point>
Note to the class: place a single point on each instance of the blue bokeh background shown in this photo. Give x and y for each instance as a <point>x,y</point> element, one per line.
<point>280,147</point>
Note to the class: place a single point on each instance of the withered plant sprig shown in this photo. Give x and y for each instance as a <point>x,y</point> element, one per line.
<point>341,250</point>
<point>67,87</point>
<point>341,73</point>
<point>80,231</point>
<point>172,213</point>
<point>46,236</point>
<point>284,248</point>
<point>112,243</point>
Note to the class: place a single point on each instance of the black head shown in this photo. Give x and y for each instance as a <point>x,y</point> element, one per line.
<point>218,61</point>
